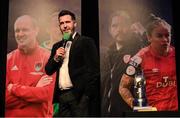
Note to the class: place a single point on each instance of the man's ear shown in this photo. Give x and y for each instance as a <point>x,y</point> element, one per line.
<point>75,24</point>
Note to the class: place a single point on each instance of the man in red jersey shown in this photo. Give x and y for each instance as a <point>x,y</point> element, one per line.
<point>29,90</point>
<point>159,67</point>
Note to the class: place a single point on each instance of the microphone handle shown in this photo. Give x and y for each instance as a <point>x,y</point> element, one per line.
<point>59,58</point>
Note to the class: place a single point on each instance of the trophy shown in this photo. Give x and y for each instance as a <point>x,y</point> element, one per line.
<point>134,70</point>
<point>140,100</point>
<point>139,89</point>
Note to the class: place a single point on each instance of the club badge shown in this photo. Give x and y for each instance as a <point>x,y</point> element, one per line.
<point>38,66</point>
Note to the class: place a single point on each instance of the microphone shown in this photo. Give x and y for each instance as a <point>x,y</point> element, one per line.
<point>66,37</point>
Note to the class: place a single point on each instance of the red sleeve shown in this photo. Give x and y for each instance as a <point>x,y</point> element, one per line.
<point>34,94</point>
<point>13,101</point>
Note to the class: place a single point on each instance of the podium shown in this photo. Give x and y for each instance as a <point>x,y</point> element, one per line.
<point>144,108</point>
<point>152,114</point>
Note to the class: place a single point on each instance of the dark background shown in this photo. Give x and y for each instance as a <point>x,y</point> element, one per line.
<point>89,27</point>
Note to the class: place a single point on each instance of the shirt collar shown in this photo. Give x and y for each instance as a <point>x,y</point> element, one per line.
<point>74,35</point>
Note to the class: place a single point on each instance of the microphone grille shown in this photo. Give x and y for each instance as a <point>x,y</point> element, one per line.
<point>66,36</point>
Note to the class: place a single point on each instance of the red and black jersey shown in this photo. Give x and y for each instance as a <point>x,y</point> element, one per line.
<point>160,75</point>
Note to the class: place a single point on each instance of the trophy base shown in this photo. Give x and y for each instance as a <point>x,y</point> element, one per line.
<point>144,108</point>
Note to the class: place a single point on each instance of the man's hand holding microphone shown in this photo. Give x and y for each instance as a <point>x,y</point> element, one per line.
<point>60,52</point>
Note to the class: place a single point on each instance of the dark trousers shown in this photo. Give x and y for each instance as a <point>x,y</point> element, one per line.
<point>70,106</point>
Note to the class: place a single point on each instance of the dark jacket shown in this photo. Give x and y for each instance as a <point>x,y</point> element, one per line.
<point>112,69</point>
<point>83,67</point>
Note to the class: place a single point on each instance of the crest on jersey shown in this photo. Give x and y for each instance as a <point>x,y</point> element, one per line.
<point>38,66</point>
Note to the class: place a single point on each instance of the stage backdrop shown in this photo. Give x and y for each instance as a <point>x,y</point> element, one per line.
<point>45,13</point>
<point>112,58</point>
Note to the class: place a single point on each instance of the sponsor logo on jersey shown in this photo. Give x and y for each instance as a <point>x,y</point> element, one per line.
<point>166,83</point>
